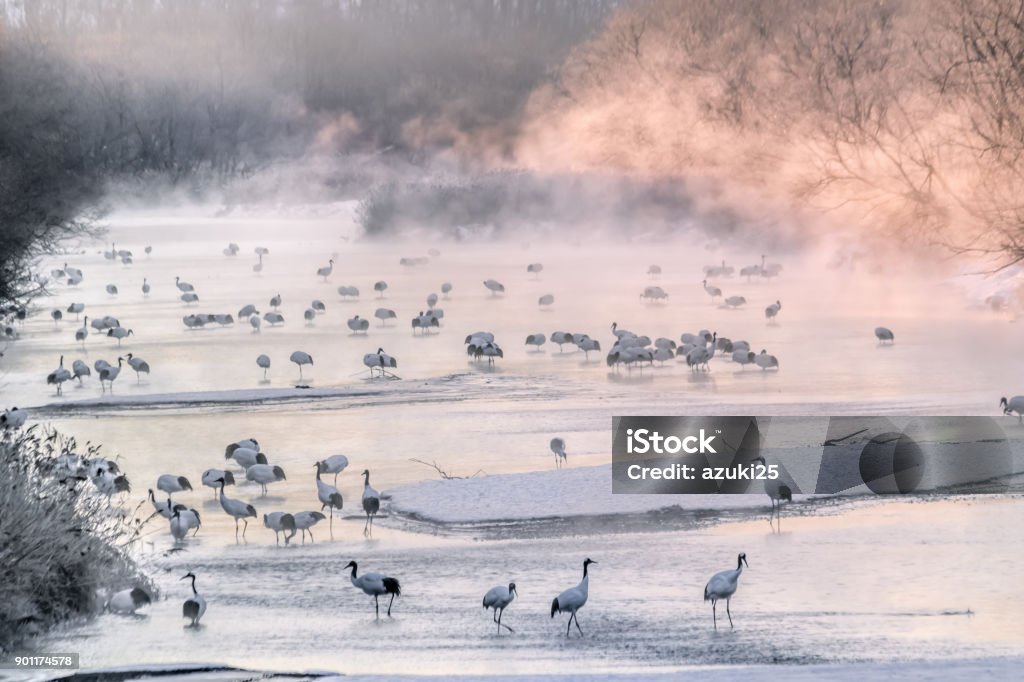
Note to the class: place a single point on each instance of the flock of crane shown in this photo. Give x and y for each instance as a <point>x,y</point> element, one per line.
<point>629,350</point>
<point>722,585</point>
<point>108,480</point>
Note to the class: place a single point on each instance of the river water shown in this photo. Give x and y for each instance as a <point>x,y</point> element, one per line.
<point>921,578</point>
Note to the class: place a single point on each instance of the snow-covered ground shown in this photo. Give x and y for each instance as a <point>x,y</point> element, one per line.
<point>580,491</point>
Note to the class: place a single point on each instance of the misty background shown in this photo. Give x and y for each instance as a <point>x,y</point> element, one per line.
<point>895,123</point>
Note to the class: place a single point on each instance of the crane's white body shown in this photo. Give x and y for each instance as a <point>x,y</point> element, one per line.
<point>348,291</point>
<point>171,483</point>
<point>588,346</point>
<point>536,340</point>
<point>700,356</point>
<point>182,521</point>
<point>766,360</point>
<point>281,522</point>
<point>723,586</point>
<point>1014,405</point>
<point>301,358</point>
<point>304,521</point>
<point>385,314</point>
<point>210,477</point>
<point>499,598</point>
<point>328,496</point>
<point>264,475</point>
<point>161,507</point>
<point>558,447</point>
<point>237,509</point>
<point>573,599</point>
<point>195,606</point>
<point>80,369</point>
<point>744,357</point>
<point>375,584</point>
<point>379,361</point>
<point>654,294</point>
<point>109,373</point>
<point>127,602</point>
<point>58,376</point>
<point>263,362</point>
<point>247,457</point>
<point>371,503</point>
<point>13,418</point>
<point>334,464</point>
<point>108,482</point>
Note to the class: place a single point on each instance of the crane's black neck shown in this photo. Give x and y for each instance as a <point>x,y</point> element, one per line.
<point>355,567</point>
<point>194,585</point>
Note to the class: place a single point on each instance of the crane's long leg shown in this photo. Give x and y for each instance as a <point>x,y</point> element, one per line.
<point>502,625</point>
<point>366,526</point>
<point>390,603</point>
<point>236,527</point>
<point>568,625</point>
<point>577,621</point>
<point>376,606</point>
<point>714,612</point>
<point>729,613</point>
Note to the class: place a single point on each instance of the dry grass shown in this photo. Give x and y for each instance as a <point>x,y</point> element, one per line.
<point>62,545</point>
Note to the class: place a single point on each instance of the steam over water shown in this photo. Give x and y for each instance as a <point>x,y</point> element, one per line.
<point>924,578</point>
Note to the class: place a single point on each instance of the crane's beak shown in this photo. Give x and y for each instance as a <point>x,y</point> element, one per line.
<point>745,562</point>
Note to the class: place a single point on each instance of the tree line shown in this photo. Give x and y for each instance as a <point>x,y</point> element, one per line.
<point>905,117</point>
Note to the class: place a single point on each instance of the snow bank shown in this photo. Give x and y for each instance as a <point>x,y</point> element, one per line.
<point>582,491</point>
